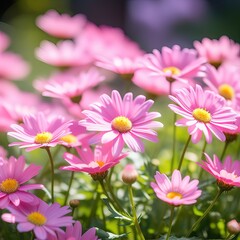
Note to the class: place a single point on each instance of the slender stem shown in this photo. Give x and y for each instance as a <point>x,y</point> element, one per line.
<point>32,235</point>
<point>171,222</point>
<point>69,187</point>
<point>224,150</point>
<point>52,172</point>
<point>203,149</point>
<point>135,219</point>
<point>230,236</point>
<point>174,141</point>
<point>183,153</point>
<point>195,225</point>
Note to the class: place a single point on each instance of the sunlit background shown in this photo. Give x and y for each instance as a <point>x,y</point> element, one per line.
<point>151,23</point>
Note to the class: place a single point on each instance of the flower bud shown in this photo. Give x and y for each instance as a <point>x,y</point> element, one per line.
<point>233,226</point>
<point>129,174</point>
<point>74,203</point>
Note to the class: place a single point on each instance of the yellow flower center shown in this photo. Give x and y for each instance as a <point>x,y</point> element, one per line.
<point>173,70</point>
<point>9,185</point>
<point>37,218</point>
<point>226,91</point>
<point>100,163</point>
<point>122,124</point>
<point>69,138</point>
<point>173,195</point>
<point>202,115</point>
<point>44,137</point>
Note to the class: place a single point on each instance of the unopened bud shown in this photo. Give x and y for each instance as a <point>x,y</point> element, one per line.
<point>74,203</point>
<point>129,174</point>
<point>233,226</point>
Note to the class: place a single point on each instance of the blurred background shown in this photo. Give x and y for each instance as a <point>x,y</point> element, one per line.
<point>151,23</point>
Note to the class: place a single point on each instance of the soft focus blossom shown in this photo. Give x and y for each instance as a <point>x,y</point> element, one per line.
<point>233,226</point>
<point>227,172</point>
<point>121,121</point>
<point>4,41</point>
<point>169,66</point>
<point>176,191</point>
<point>204,112</point>
<point>94,162</point>
<point>225,82</point>
<point>218,51</point>
<point>7,71</point>
<point>61,25</point>
<point>42,219</point>
<point>13,175</point>
<point>39,131</point>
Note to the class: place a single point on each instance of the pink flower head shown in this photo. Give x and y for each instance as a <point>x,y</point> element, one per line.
<point>203,112</point>
<point>92,162</point>
<point>7,71</point>
<point>42,219</point>
<point>39,131</point>
<point>217,51</point>
<point>176,191</point>
<point>13,176</point>
<point>64,54</point>
<point>122,121</point>
<point>4,41</point>
<point>70,86</point>
<point>225,82</point>
<point>226,173</point>
<point>173,64</point>
<point>61,25</point>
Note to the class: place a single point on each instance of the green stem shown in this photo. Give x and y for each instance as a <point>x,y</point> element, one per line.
<point>32,235</point>
<point>135,219</point>
<point>224,150</point>
<point>69,187</point>
<point>183,153</point>
<point>171,222</point>
<point>204,148</point>
<point>174,141</point>
<point>52,172</point>
<point>195,225</point>
<point>230,236</point>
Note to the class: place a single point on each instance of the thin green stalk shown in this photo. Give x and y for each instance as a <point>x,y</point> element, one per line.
<point>230,236</point>
<point>135,219</point>
<point>203,149</point>
<point>171,222</point>
<point>224,150</point>
<point>32,235</point>
<point>183,153</point>
<point>195,225</point>
<point>174,141</point>
<point>52,173</point>
<point>69,188</point>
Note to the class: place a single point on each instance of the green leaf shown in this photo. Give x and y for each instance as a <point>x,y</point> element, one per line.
<point>107,235</point>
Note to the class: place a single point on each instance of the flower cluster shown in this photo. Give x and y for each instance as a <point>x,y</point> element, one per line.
<point>86,127</point>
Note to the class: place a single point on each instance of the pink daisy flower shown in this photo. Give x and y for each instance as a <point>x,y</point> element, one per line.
<point>68,86</point>
<point>203,112</point>
<point>176,191</point>
<point>121,121</point>
<point>218,51</point>
<point>13,175</point>
<point>42,219</point>
<point>39,131</point>
<point>225,82</point>
<point>61,25</point>
<point>96,162</point>
<point>227,172</point>
<point>7,71</point>
<point>64,54</point>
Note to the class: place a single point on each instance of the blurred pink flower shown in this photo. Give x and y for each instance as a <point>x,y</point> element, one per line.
<point>122,121</point>
<point>71,86</point>
<point>225,82</point>
<point>64,54</point>
<point>203,112</point>
<point>176,191</point>
<point>61,25</point>
<point>218,51</point>
<point>13,175</point>
<point>39,131</point>
<point>12,66</point>
<point>42,219</point>
<point>227,172</point>
<point>93,162</point>
<point>4,41</point>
